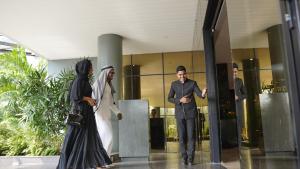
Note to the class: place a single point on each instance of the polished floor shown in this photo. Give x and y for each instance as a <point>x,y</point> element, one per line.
<point>170,161</point>
<point>252,158</point>
<point>246,158</point>
<point>156,161</point>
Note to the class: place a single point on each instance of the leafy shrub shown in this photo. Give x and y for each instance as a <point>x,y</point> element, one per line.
<point>32,106</point>
<point>4,134</point>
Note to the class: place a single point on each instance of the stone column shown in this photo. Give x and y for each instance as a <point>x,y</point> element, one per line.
<point>110,53</point>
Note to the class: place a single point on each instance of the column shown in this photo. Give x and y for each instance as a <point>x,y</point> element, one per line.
<point>110,53</point>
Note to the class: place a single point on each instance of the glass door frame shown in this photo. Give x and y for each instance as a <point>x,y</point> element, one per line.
<point>211,16</point>
<point>291,27</point>
<point>290,12</point>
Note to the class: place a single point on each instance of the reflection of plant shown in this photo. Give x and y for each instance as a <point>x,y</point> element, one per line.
<point>206,131</point>
<point>171,127</point>
<point>274,87</point>
<point>267,88</point>
<point>172,132</point>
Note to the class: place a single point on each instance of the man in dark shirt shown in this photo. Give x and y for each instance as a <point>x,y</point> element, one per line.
<point>182,95</point>
<point>240,95</point>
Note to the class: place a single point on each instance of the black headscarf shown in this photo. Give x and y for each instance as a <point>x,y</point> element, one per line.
<point>82,68</point>
<point>82,79</point>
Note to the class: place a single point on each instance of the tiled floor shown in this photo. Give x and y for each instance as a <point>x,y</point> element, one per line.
<point>255,159</point>
<point>156,161</point>
<point>231,159</point>
<point>250,159</point>
<point>170,161</point>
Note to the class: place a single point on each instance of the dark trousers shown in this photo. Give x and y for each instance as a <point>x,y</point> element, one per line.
<point>186,134</point>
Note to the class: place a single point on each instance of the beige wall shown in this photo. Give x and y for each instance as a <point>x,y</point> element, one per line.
<point>263,56</point>
<point>158,70</point>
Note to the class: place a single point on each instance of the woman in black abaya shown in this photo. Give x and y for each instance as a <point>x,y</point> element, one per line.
<point>82,147</point>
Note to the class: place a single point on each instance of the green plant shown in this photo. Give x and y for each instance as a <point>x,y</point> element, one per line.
<point>274,87</point>
<point>17,143</point>
<point>33,106</point>
<point>4,134</point>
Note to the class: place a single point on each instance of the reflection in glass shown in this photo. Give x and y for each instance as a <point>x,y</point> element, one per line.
<point>152,90</point>
<point>168,81</point>
<point>172,60</point>
<point>268,125</point>
<point>149,63</point>
<point>263,56</point>
<point>126,60</point>
<point>200,78</point>
<point>198,61</point>
<point>266,79</point>
<point>155,85</point>
<point>171,134</point>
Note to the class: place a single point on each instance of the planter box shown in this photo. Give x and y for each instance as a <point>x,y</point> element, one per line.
<point>28,162</point>
<point>276,122</point>
<point>134,129</point>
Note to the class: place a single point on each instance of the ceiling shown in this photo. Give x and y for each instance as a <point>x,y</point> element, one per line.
<point>62,29</point>
<point>248,21</point>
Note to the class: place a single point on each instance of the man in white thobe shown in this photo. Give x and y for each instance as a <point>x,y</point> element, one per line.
<point>103,94</point>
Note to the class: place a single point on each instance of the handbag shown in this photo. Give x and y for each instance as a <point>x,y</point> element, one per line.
<point>74,117</point>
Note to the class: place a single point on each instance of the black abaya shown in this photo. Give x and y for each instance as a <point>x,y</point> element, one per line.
<point>82,147</point>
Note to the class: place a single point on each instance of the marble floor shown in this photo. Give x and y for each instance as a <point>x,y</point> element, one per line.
<point>170,161</point>
<point>232,158</point>
<point>254,159</point>
<point>156,161</point>
<point>251,158</point>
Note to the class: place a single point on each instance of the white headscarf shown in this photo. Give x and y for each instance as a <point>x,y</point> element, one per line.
<point>99,86</point>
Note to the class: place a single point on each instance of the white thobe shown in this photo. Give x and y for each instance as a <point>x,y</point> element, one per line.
<point>103,118</point>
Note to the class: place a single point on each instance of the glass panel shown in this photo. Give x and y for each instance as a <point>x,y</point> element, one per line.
<point>149,63</point>
<point>265,78</point>
<point>169,111</point>
<point>241,74</point>
<point>172,60</point>
<point>156,112</point>
<point>200,78</point>
<point>126,60</point>
<point>205,129</point>
<point>264,117</point>
<point>171,135</point>
<point>171,128</point>
<point>223,55</point>
<point>238,55</point>
<point>263,56</point>
<point>152,90</point>
<point>198,61</point>
<point>168,81</point>
<point>162,111</point>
